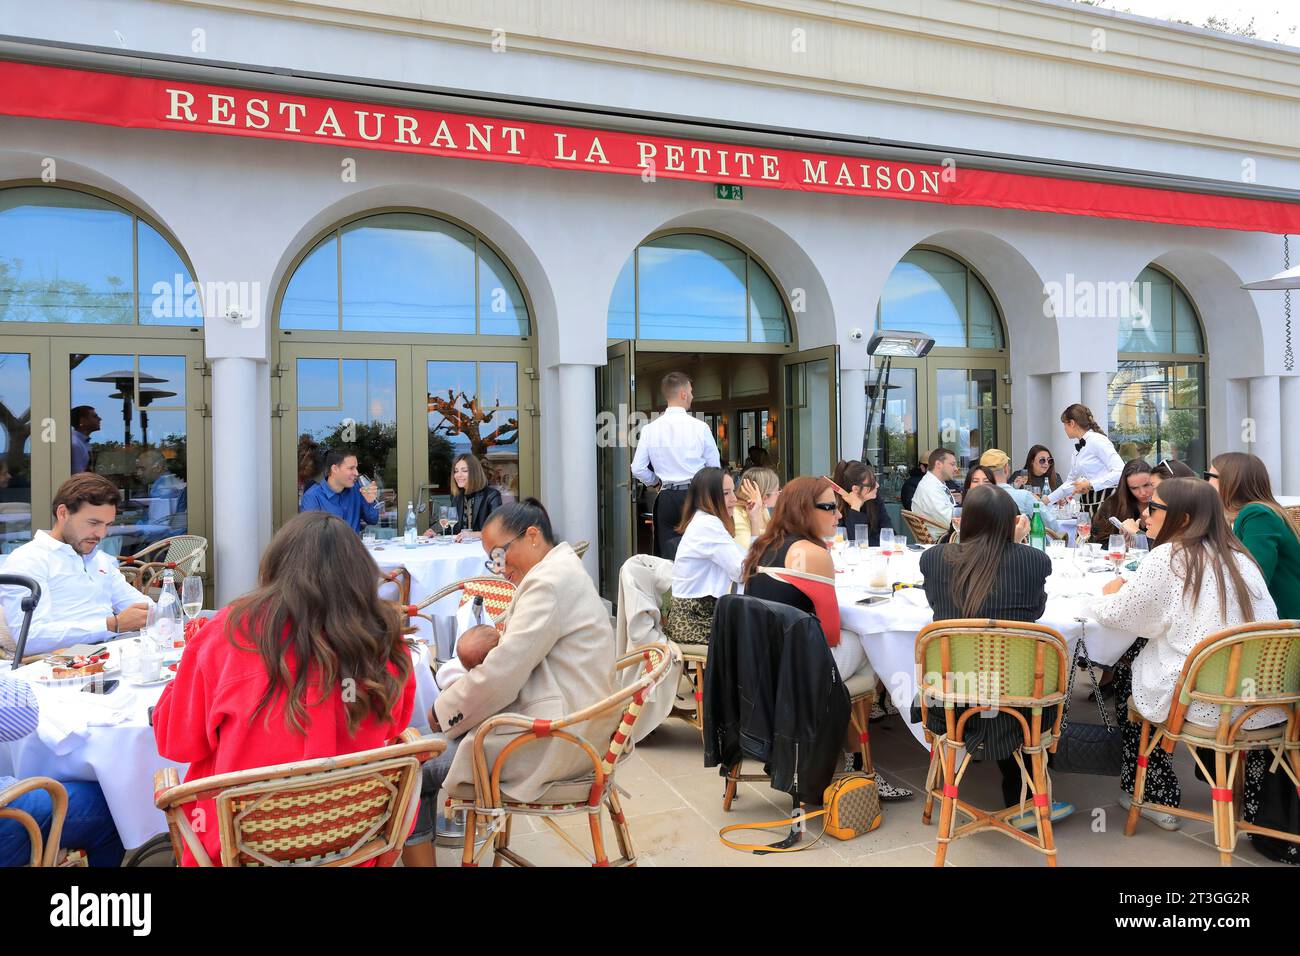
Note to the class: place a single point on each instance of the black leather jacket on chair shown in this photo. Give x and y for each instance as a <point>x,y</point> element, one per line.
<point>772,693</point>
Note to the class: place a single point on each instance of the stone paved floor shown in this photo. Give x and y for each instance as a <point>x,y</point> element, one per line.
<point>674,808</point>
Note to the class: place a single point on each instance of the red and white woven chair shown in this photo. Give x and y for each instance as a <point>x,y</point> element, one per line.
<point>497,593</point>
<point>486,804</point>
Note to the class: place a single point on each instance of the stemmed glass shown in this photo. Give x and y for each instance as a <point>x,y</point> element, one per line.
<point>446,518</point>
<point>886,541</point>
<point>191,596</point>
<point>1115,551</point>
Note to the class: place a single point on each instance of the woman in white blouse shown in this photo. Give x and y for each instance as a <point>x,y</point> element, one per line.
<point>1198,579</point>
<point>1095,466</point>
<point>708,559</point>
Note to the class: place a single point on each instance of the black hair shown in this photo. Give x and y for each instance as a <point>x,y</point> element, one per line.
<point>335,457</point>
<point>519,517</point>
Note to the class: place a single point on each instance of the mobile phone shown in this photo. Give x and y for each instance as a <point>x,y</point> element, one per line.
<point>873,599</point>
<point>149,714</point>
<point>1118,526</point>
<point>100,687</point>
<point>835,486</point>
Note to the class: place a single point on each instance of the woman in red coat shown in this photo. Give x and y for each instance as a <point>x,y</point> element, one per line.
<point>242,698</point>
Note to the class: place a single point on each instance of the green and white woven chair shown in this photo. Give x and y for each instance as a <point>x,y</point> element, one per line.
<point>991,666</point>
<point>588,794</point>
<point>1241,671</point>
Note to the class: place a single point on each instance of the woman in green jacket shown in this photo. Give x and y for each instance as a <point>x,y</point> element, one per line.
<point>1273,539</point>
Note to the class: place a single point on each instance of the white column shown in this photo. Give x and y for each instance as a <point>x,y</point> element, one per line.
<point>1066,390</point>
<point>1266,412</point>
<point>1288,481</point>
<point>573,468</point>
<point>236,492</point>
<point>1096,395</point>
<point>853,412</point>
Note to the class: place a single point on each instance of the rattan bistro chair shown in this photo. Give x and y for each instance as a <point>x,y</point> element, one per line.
<point>587,794</point>
<point>43,852</point>
<point>1247,668</point>
<point>497,593</point>
<point>923,530</point>
<point>991,666</point>
<point>334,811</point>
<point>395,585</point>
<point>182,554</point>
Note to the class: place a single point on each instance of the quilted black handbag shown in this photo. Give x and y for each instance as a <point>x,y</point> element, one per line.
<point>1088,748</point>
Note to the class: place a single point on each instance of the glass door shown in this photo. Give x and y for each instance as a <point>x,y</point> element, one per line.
<point>894,443</point>
<point>137,417</point>
<point>966,412</point>
<point>810,403</point>
<point>356,400</point>
<point>25,465</point>
<point>472,404</point>
<point>615,388</point>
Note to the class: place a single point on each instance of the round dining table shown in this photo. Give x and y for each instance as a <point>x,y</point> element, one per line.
<point>107,738</point>
<point>888,630</point>
<point>432,567</point>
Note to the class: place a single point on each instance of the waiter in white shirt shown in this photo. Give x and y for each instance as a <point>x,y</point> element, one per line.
<point>84,598</point>
<point>932,497</point>
<point>1096,466</point>
<point>671,449</point>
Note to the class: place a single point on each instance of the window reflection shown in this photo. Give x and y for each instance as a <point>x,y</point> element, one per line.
<point>934,293</point>
<point>696,288</point>
<point>473,408</point>
<point>67,256</point>
<point>128,420</point>
<point>15,451</point>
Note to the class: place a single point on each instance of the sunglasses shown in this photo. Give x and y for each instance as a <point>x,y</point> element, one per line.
<point>1046,461</point>
<point>826,506</point>
<point>1156,506</point>
<point>1210,474</point>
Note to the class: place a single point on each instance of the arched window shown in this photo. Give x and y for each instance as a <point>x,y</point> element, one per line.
<point>689,287</point>
<point>934,293</point>
<point>404,272</point>
<point>69,256</point>
<point>1157,396</point>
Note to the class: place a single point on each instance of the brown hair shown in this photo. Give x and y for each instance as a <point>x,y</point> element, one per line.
<point>988,528</point>
<point>1173,468</point>
<point>1122,503</point>
<point>85,488</point>
<point>1243,480</point>
<point>984,470</point>
<point>317,606</point>
<point>791,518</point>
<point>1081,415</point>
<point>672,383</point>
<point>938,455</point>
<point>1195,526</point>
<point>477,480</point>
<point>705,494</point>
<point>855,473</point>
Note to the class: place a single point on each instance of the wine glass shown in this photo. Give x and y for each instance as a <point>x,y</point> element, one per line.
<point>191,596</point>
<point>862,537</point>
<point>887,541</point>
<point>446,518</point>
<point>1115,551</point>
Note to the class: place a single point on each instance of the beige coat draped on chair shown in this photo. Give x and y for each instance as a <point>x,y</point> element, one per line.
<point>642,583</point>
<point>555,658</point>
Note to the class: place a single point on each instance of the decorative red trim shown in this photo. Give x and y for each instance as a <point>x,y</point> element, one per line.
<point>1220,795</point>
<point>542,728</point>
<point>593,799</point>
<point>1142,760</point>
<point>1040,799</point>
<point>862,737</point>
<point>138,102</point>
<point>950,791</point>
<point>412,610</point>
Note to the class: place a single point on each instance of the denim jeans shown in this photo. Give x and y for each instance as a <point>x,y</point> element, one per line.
<point>433,773</point>
<point>88,826</point>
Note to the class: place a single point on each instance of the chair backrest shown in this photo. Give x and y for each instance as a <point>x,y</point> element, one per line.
<point>335,811</point>
<point>580,549</point>
<point>1294,512</point>
<point>44,852</point>
<point>1252,665</point>
<point>497,593</point>
<point>922,528</point>
<point>970,661</point>
<point>186,551</point>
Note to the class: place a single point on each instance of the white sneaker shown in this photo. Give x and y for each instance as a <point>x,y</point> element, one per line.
<point>1165,821</point>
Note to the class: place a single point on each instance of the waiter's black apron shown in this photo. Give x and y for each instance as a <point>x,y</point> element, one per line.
<point>667,515</point>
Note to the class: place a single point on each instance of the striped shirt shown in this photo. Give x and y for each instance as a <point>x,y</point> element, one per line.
<point>18,715</point>
<point>1019,592</point>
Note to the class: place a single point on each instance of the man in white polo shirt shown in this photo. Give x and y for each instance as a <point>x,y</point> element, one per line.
<point>671,449</point>
<point>84,598</point>
<point>932,497</point>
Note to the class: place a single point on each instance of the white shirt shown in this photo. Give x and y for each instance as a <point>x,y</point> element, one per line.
<point>934,500</point>
<point>1097,461</point>
<point>676,445</point>
<point>708,559</point>
<point>1152,605</point>
<point>77,594</point>
<point>1025,502</point>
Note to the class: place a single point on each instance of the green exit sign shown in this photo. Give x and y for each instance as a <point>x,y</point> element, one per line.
<point>722,191</point>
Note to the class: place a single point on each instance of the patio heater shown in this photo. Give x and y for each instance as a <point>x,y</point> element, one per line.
<point>887,346</point>
<point>125,383</point>
<point>1284,281</point>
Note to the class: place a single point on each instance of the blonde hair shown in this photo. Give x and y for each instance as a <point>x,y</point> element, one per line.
<point>994,458</point>
<point>766,479</point>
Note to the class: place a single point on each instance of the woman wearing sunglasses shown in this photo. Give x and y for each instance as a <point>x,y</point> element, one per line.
<point>1040,467</point>
<point>554,657</point>
<point>805,518</point>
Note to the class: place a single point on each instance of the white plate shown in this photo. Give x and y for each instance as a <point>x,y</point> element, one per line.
<point>167,676</point>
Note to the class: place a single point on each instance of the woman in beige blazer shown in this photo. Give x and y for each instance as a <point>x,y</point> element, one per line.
<point>555,657</point>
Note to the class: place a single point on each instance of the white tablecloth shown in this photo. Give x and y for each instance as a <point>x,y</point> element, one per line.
<point>888,631</point>
<point>432,567</point>
<point>108,738</point>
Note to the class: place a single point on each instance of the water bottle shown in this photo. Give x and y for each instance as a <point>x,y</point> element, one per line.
<point>412,536</point>
<point>1037,535</point>
<point>480,615</point>
<point>169,630</point>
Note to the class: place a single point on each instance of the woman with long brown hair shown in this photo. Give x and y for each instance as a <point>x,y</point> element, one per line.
<point>1197,579</point>
<point>795,539</point>
<point>1127,505</point>
<point>860,505</point>
<point>309,664</point>
<point>990,574</point>
<point>1095,466</point>
<point>1040,469</point>
<point>707,563</point>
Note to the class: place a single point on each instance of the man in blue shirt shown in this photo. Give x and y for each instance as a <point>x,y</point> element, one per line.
<point>337,492</point>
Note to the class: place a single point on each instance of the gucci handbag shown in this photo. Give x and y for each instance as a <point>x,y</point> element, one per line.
<point>850,806</point>
<point>1088,748</point>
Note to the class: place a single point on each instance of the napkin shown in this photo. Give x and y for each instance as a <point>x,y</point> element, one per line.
<point>913,597</point>
<point>67,716</point>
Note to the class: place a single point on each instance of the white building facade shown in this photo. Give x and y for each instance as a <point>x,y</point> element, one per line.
<point>417,305</point>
